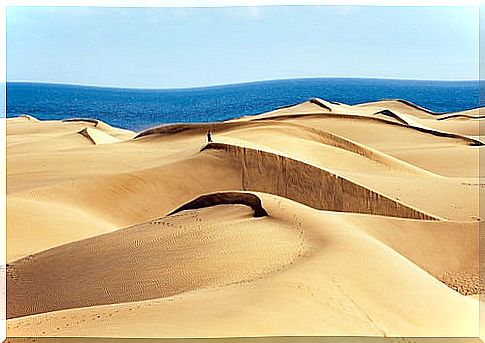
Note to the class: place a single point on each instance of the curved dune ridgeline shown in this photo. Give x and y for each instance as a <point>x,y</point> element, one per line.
<point>267,172</point>
<point>161,258</point>
<point>28,117</point>
<point>316,134</point>
<point>413,105</point>
<point>99,132</point>
<point>460,116</point>
<point>318,219</point>
<point>402,105</point>
<point>225,198</point>
<point>97,136</point>
<point>390,114</point>
<point>467,140</point>
<point>95,122</point>
<point>322,103</point>
<point>389,117</point>
<point>155,277</point>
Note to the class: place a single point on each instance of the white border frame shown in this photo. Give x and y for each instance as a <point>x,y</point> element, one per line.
<point>149,3</point>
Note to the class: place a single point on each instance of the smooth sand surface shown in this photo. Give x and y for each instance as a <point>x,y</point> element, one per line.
<point>277,339</point>
<point>314,219</point>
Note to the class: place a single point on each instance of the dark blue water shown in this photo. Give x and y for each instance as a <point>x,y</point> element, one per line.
<point>138,109</point>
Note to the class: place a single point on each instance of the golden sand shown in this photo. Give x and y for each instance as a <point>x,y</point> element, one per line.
<point>371,226</point>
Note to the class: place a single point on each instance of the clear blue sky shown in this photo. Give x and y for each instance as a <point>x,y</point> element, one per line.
<point>187,47</point>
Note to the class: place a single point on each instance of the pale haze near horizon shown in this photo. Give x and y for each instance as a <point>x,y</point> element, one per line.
<point>192,47</point>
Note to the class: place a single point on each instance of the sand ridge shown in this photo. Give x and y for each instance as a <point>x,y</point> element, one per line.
<point>310,271</point>
<point>331,192</point>
<point>97,136</point>
<point>290,222</point>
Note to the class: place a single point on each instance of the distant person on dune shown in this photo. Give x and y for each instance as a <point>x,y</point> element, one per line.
<point>209,136</point>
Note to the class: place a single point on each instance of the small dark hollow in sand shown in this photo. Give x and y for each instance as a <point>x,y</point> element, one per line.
<point>87,120</point>
<point>225,198</point>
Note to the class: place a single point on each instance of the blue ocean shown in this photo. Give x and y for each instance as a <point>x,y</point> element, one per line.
<point>138,109</point>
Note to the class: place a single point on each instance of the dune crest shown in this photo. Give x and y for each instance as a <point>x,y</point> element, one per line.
<point>97,136</point>
<point>143,260</point>
<point>390,114</point>
<point>322,103</point>
<point>27,116</point>
<point>460,116</point>
<point>275,174</point>
<point>290,222</point>
<point>95,122</point>
<point>295,259</point>
<point>225,198</point>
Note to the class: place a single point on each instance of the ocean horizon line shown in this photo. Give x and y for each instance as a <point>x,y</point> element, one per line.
<point>67,84</point>
<point>138,109</point>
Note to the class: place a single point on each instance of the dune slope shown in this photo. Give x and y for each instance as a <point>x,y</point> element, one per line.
<point>317,218</point>
<point>230,258</point>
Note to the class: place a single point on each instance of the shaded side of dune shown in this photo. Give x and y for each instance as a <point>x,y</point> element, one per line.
<point>321,103</point>
<point>392,115</point>
<point>95,122</point>
<point>394,119</point>
<point>413,105</point>
<point>160,258</point>
<point>460,116</point>
<point>466,140</point>
<point>225,198</point>
<point>318,135</point>
<point>271,173</point>
<point>191,127</point>
<point>97,137</point>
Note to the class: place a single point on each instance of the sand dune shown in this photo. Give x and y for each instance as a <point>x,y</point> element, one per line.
<point>464,139</point>
<point>460,115</point>
<point>97,136</point>
<point>225,198</point>
<point>276,174</point>
<point>101,126</point>
<point>390,114</point>
<point>291,131</point>
<point>26,236</point>
<point>27,117</point>
<point>361,164</point>
<point>318,218</point>
<point>400,106</point>
<point>145,259</point>
<point>123,199</point>
<point>288,339</point>
<point>229,254</point>
<point>394,111</point>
